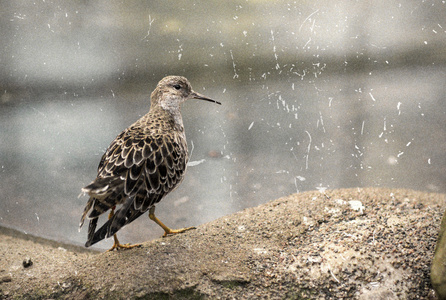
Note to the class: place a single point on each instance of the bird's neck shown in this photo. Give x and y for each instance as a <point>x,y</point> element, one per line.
<point>171,106</point>
<point>178,119</point>
<point>169,115</point>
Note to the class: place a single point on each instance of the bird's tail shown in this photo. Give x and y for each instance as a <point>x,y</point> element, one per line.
<point>126,214</point>
<point>99,190</point>
<point>102,187</point>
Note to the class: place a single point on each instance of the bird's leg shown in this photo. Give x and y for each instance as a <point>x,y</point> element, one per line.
<point>167,230</point>
<point>116,244</point>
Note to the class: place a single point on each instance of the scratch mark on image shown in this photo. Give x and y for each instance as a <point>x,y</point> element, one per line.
<point>308,150</point>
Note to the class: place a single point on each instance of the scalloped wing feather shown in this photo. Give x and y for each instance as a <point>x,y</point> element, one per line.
<point>136,172</point>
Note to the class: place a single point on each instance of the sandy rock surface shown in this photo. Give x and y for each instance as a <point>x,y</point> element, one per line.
<point>351,243</point>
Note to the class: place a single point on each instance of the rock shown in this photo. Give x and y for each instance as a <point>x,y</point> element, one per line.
<point>6,278</point>
<point>353,243</point>
<point>27,262</point>
<point>438,269</point>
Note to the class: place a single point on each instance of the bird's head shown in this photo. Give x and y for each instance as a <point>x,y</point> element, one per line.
<point>171,91</point>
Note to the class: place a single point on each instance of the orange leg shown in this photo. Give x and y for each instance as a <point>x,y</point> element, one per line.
<point>116,244</point>
<point>167,230</point>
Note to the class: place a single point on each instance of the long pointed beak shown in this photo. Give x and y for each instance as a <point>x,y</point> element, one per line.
<point>196,95</point>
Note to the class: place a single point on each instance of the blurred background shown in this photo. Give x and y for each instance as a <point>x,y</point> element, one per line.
<point>316,95</point>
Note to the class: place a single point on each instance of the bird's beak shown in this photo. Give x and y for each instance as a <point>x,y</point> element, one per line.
<point>195,95</point>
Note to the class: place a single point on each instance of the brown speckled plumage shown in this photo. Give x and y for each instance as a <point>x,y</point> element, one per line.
<point>143,164</point>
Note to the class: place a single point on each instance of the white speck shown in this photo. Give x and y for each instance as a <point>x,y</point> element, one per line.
<point>308,150</point>
<point>150,25</point>
<point>260,251</point>
<point>392,160</point>
<point>233,65</point>
<point>309,40</point>
<point>250,126</point>
<point>398,106</point>
<point>37,216</point>
<point>315,259</point>
<point>356,205</point>
<point>301,178</point>
<point>371,96</point>
<point>333,275</point>
<point>195,163</point>
<point>307,18</point>
<point>321,189</point>
<point>425,42</point>
<point>429,161</point>
<point>340,201</point>
<point>181,201</point>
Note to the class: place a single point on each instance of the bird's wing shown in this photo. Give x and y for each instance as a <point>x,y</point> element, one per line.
<point>136,171</point>
<point>160,160</point>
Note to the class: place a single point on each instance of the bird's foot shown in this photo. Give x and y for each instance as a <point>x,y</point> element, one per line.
<point>168,231</point>
<point>122,246</point>
<point>118,246</point>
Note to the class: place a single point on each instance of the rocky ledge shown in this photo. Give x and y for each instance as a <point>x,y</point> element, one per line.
<point>351,243</point>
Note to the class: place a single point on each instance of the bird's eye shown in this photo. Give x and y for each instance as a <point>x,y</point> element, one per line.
<point>177,86</point>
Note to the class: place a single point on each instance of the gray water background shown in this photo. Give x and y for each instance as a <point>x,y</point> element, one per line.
<point>315,95</point>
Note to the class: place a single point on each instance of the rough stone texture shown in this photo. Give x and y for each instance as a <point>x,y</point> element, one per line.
<point>438,271</point>
<point>355,243</point>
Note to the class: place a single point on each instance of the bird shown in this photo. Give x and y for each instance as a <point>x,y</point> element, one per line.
<point>142,165</point>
